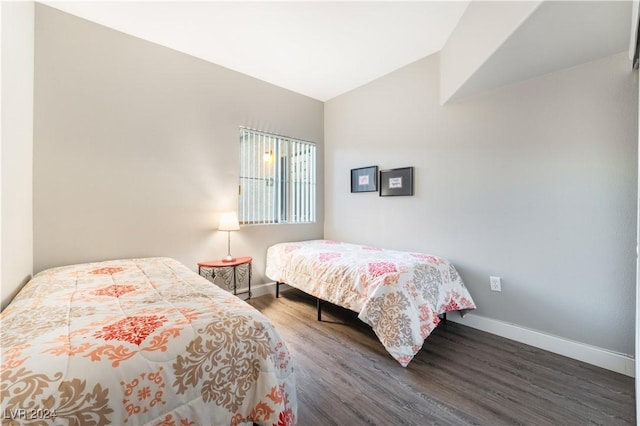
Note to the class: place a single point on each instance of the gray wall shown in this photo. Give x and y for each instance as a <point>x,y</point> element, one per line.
<point>16,226</point>
<point>136,148</point>
<point>135,154</point>
<point>535,182</point>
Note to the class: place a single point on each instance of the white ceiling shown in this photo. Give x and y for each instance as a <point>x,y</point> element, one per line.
<point>558,34</point>
<point>325,48</point>
<point>319,49</point>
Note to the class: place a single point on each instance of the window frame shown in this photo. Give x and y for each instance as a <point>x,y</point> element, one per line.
<point>294,178</point>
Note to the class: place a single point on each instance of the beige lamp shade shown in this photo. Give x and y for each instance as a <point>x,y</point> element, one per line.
<point>229,222</point>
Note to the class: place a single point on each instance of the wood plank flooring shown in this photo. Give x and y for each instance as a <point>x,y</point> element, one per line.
<point>462,376</point>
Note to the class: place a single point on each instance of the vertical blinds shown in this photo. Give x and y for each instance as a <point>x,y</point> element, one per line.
<point>277,179</point>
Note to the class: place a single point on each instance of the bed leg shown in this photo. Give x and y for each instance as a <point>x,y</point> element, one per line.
<point>277,289</point>
<point>444,318</point>
<point>319,303</point>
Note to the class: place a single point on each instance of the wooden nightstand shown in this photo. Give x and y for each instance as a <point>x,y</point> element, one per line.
<point>230,274</point>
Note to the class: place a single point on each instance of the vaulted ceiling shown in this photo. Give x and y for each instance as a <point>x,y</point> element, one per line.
<point>323,49</point>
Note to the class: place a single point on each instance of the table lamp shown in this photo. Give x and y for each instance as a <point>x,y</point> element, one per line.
<point>229,222</point>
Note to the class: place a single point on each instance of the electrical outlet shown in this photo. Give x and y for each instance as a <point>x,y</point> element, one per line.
<point>496,283</point>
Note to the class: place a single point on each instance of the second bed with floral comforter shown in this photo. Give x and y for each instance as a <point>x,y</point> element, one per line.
<point>399,294</point>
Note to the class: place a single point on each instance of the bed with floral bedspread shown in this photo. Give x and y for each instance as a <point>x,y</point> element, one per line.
<point>140,341</point>
<point>399,294</point>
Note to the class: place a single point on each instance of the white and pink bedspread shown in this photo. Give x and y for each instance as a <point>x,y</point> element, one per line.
<point>140,341</point>
<point>399,294</point>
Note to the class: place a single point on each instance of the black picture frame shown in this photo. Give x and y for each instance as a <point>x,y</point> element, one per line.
<point>364,179</point>
<point>396,182</point>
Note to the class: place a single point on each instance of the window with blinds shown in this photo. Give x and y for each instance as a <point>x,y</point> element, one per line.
<point>277,179</point>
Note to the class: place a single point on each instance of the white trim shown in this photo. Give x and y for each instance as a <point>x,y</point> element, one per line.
<point>614,361</point>
<point>268,288</point>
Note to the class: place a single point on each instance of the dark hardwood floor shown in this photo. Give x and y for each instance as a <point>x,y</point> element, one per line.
<point>462,376</point>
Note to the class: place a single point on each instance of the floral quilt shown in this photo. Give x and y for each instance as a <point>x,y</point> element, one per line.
<point>140,342</point>
<point>399,294</point>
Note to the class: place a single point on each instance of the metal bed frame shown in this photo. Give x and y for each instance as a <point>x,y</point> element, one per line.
<point>319,303</point>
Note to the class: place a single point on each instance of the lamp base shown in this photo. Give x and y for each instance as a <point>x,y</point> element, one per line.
<point>229,258</point>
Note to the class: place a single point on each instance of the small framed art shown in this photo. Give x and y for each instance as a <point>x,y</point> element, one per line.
<point>364,179</point>
<point>396,182</point>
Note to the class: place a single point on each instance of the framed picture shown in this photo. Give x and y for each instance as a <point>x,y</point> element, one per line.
<point>396,182</point>
<point>364,179</point>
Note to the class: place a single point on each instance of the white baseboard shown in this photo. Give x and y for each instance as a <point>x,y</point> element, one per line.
<point>614,361</point>
<point>268,288</point>
<point>262,289</point>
